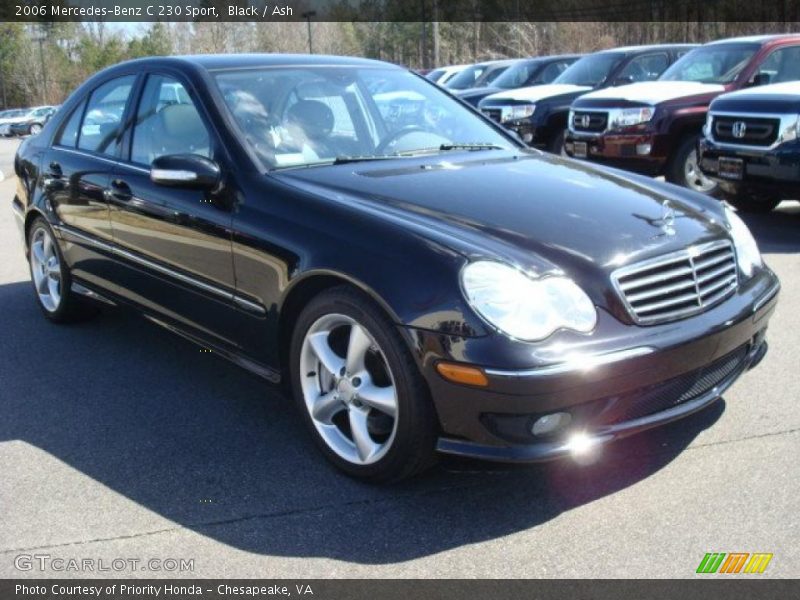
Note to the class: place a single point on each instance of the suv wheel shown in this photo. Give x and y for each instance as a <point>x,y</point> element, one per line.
<point>359,390</point>
<point>684,170</point>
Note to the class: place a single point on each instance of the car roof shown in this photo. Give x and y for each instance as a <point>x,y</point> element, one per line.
<point>213,62</point>
<point>760,39</point>
<point>647,48</point>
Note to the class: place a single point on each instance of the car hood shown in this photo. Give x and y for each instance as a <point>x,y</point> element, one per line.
<point>537,210</point>
<point>538,92</point>
<point>654,92</point>
<point>479,91</point>
<point>775,98</point>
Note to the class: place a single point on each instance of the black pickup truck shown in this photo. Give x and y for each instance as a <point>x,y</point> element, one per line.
<point>750,146</point>
<point>539,114</point>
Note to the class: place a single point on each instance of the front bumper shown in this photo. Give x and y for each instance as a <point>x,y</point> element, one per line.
<point>19,129</point>
<point>636,378</point>
<point>644,153</point>
<point>770,171</point>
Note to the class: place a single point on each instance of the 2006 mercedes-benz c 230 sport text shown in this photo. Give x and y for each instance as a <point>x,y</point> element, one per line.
<point>422,280</point>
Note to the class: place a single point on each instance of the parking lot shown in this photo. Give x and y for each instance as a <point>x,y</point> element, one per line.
<point>121,440</point>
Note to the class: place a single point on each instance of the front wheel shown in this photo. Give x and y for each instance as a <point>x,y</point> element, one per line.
<point>35,129</point>
<point>684,169</point>
<point>359,390</point>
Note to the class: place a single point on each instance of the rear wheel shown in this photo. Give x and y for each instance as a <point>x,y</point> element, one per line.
<point>359,390</point>
<point>684,169</point>
<point>51,277</point>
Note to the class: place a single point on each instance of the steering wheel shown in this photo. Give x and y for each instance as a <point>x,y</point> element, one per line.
<point>393,137</point>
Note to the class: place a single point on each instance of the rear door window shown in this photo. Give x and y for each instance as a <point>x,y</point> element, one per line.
<point>102,122</point>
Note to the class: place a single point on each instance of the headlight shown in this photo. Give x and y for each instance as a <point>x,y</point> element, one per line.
<point>627,117</point>
<point>525,308</point>
<point>519,111</point>
<point>747,253</point>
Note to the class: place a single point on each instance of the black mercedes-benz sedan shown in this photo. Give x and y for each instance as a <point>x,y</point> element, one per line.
<point>420,280</point>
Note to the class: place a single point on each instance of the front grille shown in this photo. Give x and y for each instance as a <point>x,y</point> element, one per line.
<point>593,122</point>
<point>495,114</point>
<point>678,285</point>
<point>750,131</point>
<point>683,388</point>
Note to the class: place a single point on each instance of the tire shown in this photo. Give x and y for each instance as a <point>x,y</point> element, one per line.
<point>556,146</point>
<point>34,129</point>
<point>684,171</point>
<point>754,204</point>
<point>366,443</point>
<point>51,277</point>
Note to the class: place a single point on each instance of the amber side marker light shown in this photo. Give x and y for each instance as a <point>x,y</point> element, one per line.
<point>462,374</point>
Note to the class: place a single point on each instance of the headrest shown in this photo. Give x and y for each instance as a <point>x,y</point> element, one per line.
<point>315,118</point>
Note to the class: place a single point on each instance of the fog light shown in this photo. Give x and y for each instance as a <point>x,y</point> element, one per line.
<point>643,149</point>
<point>551,423</point>
<point>580,443</point>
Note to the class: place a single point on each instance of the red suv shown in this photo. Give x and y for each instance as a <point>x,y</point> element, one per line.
<point>653,127</point>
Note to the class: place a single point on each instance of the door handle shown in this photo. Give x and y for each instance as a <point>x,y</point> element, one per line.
<point>119,191</point>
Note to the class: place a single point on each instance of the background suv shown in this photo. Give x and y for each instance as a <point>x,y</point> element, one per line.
<point>539,114</point>
<point>653,128</point>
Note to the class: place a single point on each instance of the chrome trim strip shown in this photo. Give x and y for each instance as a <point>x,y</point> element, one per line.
<point>577,364</point>
<point>84,291</point>
<point>87,154</point>
<point>168,175</point>
<point>248,305</point>
<point>788,123</point>
<point>769,295</point>
<point>133,167</point>
<point>221,293</point>
<point>86,238</point>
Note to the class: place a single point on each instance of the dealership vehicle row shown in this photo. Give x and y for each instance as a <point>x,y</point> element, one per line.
<point>646,109</point>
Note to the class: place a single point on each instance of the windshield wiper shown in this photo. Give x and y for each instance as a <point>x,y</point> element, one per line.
<point>476,146</point>
<point>343,160</point>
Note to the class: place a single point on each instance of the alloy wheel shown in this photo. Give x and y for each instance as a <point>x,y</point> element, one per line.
<point>35,129</point>
<point>695,180</point>
<point>348,389</point>
<point>46,269</point>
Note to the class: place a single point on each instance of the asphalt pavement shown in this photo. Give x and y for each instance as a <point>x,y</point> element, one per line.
<point>119,440</point>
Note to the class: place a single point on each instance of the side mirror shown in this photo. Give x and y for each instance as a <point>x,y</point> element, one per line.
<point>761,79</point>
<point>185,170</point>
<point>627,79</point>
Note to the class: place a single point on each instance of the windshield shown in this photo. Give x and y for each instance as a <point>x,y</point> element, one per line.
<point>591,70</point>
<point>718,63</point>
<point>435,75</point>
<point>466,78</point>
<point>489,75</point>
<point>517,75</point>
<point>315,115</point>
